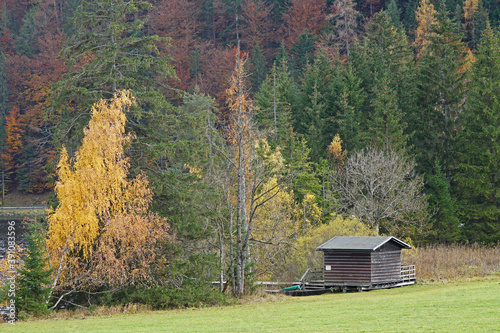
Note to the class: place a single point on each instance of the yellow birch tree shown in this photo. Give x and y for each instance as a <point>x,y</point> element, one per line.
<point>101,229</point>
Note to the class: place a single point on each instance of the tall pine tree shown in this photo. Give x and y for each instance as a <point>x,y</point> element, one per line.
<point>386,126</point>
<point>110,51</point>
<point>274,102</point>
<point>478,148</point>
<point>441,83</point>
<point>384,63</point>
<point>445,222</point>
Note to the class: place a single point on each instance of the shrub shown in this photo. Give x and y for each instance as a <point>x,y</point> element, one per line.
<point>305,255</point>
<point>167,297</point>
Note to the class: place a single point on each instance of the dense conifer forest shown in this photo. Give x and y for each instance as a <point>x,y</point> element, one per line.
<point>240,131</point>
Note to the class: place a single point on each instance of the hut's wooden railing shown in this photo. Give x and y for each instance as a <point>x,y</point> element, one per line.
<point>305,278</point>
<point>312,275</point>
<point>408,273</point>
<point>317,274</point>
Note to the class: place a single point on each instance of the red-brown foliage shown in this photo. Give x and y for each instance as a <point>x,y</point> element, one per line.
<point>256,26</point>
<point>303,15</point>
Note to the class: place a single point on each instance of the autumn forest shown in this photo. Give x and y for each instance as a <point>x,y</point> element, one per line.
<point>191,141</point>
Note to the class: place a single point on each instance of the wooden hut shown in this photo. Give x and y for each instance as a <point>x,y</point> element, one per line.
<point>365,263</point>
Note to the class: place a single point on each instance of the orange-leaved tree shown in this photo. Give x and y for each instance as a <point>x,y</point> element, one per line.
<point>302,16</point>
<point>101,232</point>
<point>240,136</point>
<point>12,144</point>
<point>256,27</point>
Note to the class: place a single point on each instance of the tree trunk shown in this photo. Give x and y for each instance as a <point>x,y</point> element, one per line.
<point>241,217</point>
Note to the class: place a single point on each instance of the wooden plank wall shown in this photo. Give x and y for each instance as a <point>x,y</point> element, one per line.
<point>363,268</point>
<point>386,267</point>
<point>347,267</point>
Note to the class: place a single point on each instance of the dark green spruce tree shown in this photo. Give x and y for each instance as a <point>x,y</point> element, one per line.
<point>110,51</point>
<point>274,102</point>
<point>33,282</point>
<point>444,222</point>
<point>349,117</point>
<point>26,38</point>
<point>180,163</point>
<point>302,53</point>
<point>282,54</point>
<point>441,82</point>
<point>394,14</point>
<point>478,146</point>
<point>384,63</point>
<point>386,125</point>
<point>258,67</point>
<point>317,104</point>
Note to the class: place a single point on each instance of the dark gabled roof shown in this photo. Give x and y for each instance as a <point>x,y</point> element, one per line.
<point>358,243</point>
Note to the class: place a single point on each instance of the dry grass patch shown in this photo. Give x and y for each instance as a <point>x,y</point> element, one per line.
<point>101,311</point>
<point>260,296</point>
<point>443,263</point>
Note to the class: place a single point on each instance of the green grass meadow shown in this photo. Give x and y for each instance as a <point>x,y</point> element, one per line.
<point>440,307</point>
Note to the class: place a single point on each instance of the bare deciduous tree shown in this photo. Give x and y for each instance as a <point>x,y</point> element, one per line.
<point>252,166</point>
<point>381,187</point>
<point>344,19</point>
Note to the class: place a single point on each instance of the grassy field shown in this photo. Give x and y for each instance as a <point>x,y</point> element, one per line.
<point>440,307</point>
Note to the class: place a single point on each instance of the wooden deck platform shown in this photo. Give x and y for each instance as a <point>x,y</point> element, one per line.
<point>313,280</point>
<point>299,292</point>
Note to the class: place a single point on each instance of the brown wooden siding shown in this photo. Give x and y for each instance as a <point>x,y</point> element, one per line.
<point>362,268</point>
<point>347,268</point>
<point>386,267</point>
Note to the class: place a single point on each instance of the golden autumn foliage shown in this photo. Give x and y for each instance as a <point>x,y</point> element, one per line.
<point>307,212</point>
<point>426,17</point>
<point>274,230</point>
<point>239,103</point>
<point>335,151</point>
<point>127,241</point>
<point>102,221</point>
<point>279,220</point>
<point>93,187</point>
<point>470,59</point>
<point>470,7</point>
